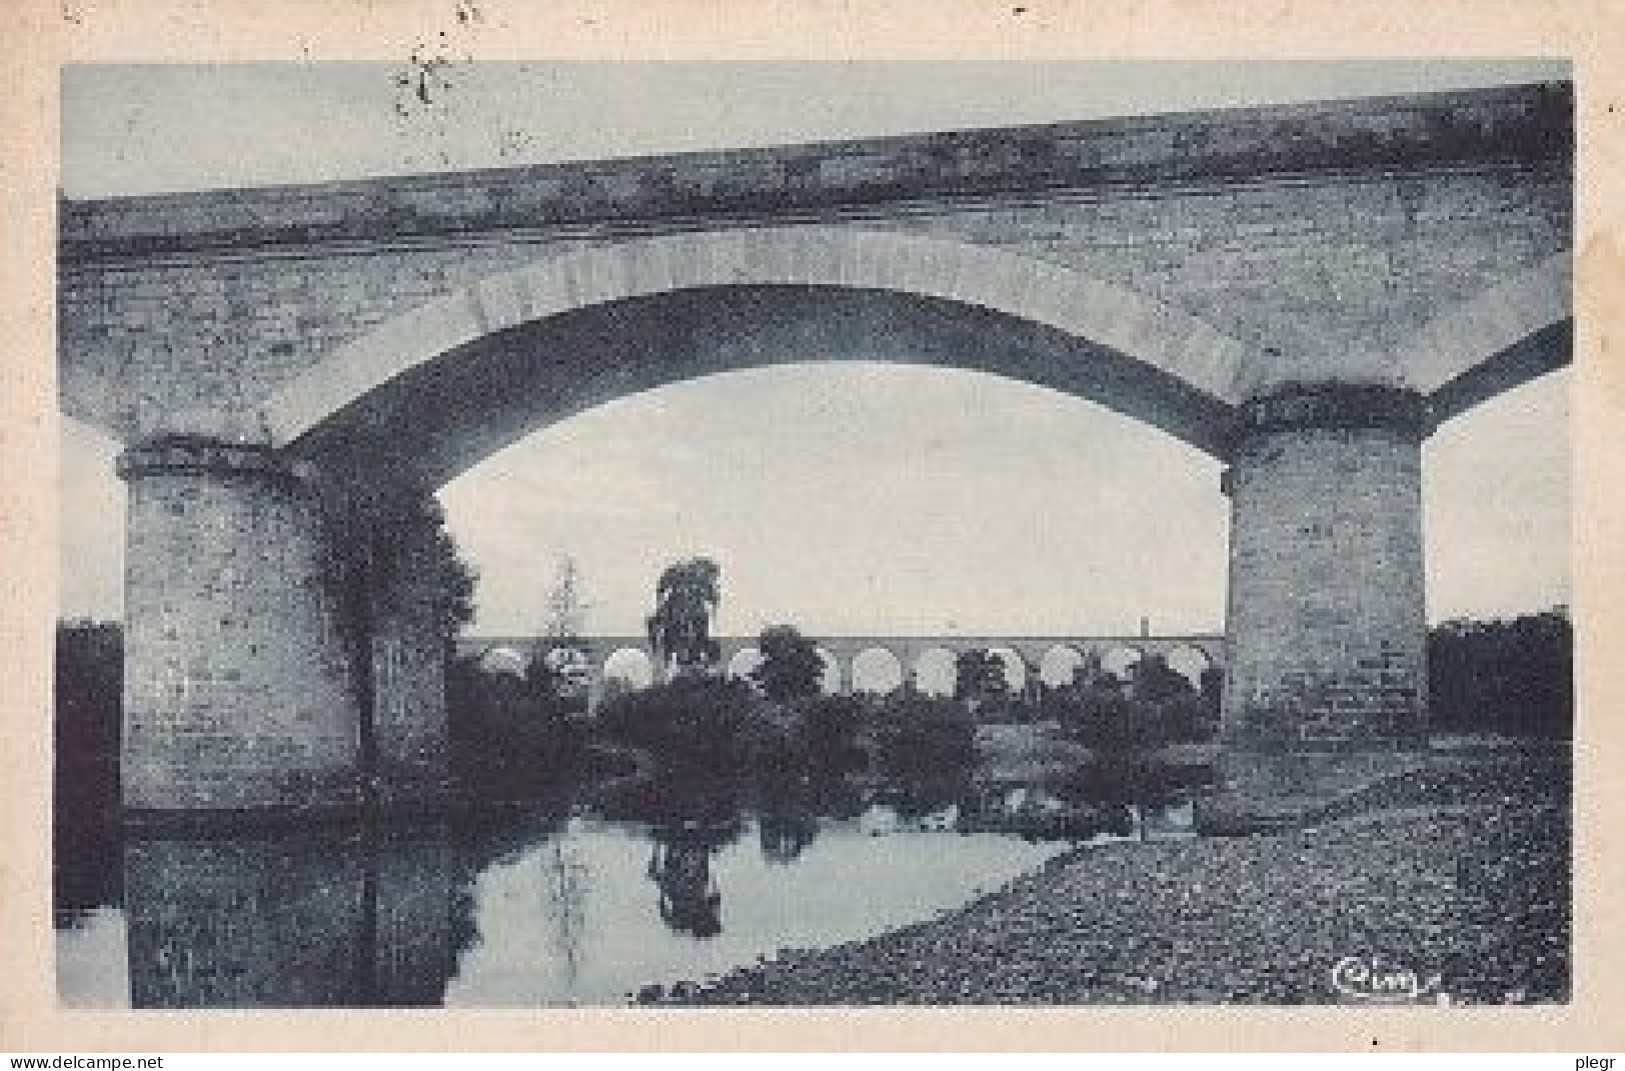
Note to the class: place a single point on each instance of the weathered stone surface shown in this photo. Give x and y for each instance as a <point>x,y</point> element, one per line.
<point>1326,620</point>
<point>236,693</point>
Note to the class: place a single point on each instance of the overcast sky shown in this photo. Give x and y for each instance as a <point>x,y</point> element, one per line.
<point>847,498</point>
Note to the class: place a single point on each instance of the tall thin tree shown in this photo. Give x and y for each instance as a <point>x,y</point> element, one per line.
<point>686,598</point>
<point>562,660</point>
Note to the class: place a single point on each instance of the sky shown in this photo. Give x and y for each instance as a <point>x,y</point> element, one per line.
<point>847,498</point>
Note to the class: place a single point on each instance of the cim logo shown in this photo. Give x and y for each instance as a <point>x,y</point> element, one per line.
<point>1373,979</point>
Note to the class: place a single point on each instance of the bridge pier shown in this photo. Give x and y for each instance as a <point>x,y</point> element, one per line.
<point>236,690</point>
<point>1326,677</point>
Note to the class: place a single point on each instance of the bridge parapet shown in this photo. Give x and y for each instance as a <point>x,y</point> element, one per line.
<point>1520,124</point>
<point>194,313</point>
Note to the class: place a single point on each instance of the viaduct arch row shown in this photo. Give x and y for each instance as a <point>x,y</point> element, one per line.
<point>843,652</point>
<point>1303,292</point>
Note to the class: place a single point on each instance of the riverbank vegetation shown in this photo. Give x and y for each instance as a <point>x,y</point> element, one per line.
<point>515,734</point>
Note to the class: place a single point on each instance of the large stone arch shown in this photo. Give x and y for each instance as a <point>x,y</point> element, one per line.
<point>516,350</point>
<point>1512,332</point>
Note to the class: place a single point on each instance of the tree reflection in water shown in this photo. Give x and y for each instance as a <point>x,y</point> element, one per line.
<point>785,834</point>
<point>680,866</point>
<point>524,906</point>
<point>565,885</point>
<point>690,819</point>
<point>788,812</point>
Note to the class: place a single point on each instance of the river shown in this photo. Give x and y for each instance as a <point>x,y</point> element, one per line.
<point>562,906</point>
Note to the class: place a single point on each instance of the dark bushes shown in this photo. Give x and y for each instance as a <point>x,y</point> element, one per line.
<point>513,737</point>
<point>692,724</point>
<point>1514,677</point>
<point>89,676</point>
<point>919,738</point>
<point>1126,726</point>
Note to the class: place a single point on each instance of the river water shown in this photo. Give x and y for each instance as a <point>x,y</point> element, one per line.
<point>560,907</point>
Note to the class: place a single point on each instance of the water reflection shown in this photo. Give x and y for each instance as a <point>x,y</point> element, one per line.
<point>785,833</point>
<point>297,918</point>
<point>680,867</point>
<point>566,885</point>
<point>539,907</point>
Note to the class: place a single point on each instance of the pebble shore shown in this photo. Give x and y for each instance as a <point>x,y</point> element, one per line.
<point>1446,889</point>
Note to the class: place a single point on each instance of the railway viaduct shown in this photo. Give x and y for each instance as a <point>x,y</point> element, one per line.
<point>875,664</point>
<point>1304,292</point>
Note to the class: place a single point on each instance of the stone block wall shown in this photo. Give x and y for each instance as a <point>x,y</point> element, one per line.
<point>236,692</point>
<point>1326,615</point>
<point>1325,233</point>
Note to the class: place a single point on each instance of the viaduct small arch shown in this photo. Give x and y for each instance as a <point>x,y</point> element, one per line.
<point>744,663</point>
<point>1060,665</point>
<point>876,669</point>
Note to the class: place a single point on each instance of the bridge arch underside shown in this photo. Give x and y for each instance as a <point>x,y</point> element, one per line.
<point>1547,348</point>
<point>442,416</point>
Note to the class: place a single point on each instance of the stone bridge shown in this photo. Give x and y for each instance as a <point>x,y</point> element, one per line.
<point>1304,292</point>
<point>880,663</point>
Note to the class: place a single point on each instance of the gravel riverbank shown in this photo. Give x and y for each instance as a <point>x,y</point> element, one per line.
<point>1458,888</point>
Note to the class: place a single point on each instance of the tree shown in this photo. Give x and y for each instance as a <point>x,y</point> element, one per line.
<point>1154,680</point>
<point>388,554</point>
<point>979,677</point>
<point>1512,677</point>
<point>696,728</point>
<point>566,606</point>
<point>389,561</point>
<point>925,744</point>
<point>686,597</point>
<point>791,667</point>
<point>561,664</point>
